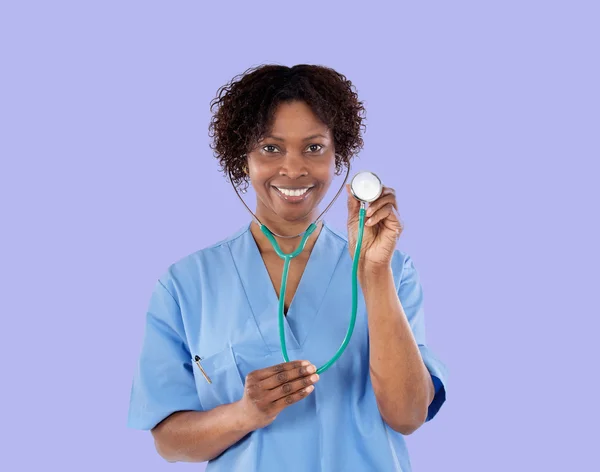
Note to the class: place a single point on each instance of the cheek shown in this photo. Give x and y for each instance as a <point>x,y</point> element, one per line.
<point>259,175</point>
<point>328,167</point>
<point>263,179</point>
<point>325,174</point>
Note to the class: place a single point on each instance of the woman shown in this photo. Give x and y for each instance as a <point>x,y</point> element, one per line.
<point>211,384</point>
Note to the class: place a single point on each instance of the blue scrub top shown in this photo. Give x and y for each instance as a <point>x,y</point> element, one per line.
<point>220,304</point>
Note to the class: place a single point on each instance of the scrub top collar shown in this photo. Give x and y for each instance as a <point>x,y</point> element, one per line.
<point>322,262</point>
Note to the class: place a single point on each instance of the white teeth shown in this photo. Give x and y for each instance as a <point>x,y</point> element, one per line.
<point>293,192</point>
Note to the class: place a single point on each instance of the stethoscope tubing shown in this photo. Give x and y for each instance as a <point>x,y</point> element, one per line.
<point>287,258</point>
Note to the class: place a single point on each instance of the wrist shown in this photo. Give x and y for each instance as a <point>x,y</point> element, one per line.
<point>372,275</point>
<point>244,422</point>
<point>374,270</point>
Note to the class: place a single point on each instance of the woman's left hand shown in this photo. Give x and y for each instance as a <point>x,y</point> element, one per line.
<point>382,229</point>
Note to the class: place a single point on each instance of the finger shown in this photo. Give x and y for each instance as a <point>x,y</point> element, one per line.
<point>292,398</point>
<point>385,191</point>
<point>291,387</point>
<point>285,376</point>
<point>267,372</point>
<point>387,194</point>
<point>380,203</point>
<point>382,213</point>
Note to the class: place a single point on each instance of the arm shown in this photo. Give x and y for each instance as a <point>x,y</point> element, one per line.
<point>406,376</point>
<point>199,436</point>
<point>401,381</point>
<point>164,398</point>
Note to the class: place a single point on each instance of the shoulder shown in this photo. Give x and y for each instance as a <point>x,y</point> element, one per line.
<point>402,263</point>
<point>336,234</point>
<point>188,270</point>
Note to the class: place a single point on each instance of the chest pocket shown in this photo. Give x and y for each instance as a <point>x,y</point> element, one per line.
<point>218,380</point>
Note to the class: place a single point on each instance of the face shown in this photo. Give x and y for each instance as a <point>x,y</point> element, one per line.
<point>292,167</point>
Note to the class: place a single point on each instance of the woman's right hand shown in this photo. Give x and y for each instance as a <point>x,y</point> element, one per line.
<point>268,391</point>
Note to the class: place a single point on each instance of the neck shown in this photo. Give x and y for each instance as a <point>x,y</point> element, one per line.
<point>287,245</point>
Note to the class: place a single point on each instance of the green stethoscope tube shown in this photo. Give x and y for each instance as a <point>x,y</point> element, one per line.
<point>286,264</point>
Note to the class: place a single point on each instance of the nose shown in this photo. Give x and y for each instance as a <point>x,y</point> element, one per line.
<point>293,166</point>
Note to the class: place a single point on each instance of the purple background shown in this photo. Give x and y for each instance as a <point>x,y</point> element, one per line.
<point>484,116</point>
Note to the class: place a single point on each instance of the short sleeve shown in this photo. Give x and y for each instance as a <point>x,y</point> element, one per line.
<point>410,294</point>
<point>163,381</point>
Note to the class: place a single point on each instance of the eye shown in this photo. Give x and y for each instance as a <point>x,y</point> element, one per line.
<point>268,148</point>
<point>311,147</point>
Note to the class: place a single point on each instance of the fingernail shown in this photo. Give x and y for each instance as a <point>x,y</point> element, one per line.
<point>311,369</point>
<point>304,363</point>
<point>314,378</point>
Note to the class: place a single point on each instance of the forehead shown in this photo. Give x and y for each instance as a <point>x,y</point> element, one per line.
<point>296,119</point>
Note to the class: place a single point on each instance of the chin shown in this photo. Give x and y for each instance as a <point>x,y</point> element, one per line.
<point>294,216</point>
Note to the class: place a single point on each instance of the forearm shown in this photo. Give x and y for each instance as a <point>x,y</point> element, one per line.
<point>401,381</point>
<point>199,436</point>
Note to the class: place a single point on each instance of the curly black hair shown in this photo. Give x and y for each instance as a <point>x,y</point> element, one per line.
<point>243,111</point>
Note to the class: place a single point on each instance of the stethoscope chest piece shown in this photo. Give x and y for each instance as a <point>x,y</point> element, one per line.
<point>366,186</point>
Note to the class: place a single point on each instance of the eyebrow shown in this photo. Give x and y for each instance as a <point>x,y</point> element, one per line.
<point>277,138</point>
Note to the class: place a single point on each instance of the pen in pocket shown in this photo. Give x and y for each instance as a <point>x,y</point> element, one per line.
<point>198,359</point>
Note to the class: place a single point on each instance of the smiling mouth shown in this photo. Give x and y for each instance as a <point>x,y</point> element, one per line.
<point>293,194</point>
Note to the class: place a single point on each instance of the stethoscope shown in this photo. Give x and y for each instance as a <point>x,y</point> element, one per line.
<point>366,187</point>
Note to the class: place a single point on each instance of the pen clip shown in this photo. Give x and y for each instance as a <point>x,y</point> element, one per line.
<point>197,359</point>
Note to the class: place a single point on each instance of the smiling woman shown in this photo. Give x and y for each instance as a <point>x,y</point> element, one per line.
<point>244,115</point>
<point>211,383</point>
<point>292,169</point>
